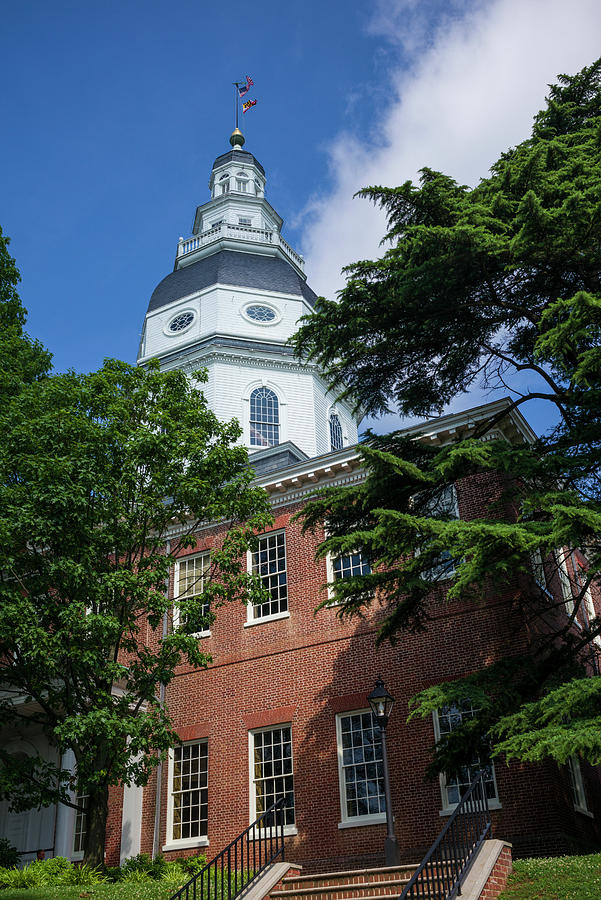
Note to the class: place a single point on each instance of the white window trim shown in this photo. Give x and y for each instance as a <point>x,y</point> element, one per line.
<point>345,820</point>
<point>289,830</point>
<point>283,406</point>
<point>566,584</point>
<point>538,567</point>
<point>576,770</point>
<point>176,611</point>
<point>250,621</point>
<point>333,411</point>
<point>448,573</point>
<point>180,843</point>
<point>77,855</point>
<point>448,808</point>
<point>331,579</point>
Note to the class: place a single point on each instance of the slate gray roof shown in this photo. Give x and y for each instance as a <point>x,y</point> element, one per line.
<point>270,273</point>
<point>240,156</point>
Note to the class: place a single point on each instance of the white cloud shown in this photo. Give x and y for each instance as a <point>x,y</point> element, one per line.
<point>468,91</point>
<point>467,88</point>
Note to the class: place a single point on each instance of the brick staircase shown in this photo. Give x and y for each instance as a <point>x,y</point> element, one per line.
<point>361,884</point>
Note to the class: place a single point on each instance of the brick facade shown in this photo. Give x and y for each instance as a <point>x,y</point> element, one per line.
<point>304,669</point>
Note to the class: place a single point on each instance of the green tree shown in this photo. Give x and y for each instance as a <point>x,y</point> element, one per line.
<point>23,359</point>
<point>501,281</point>
<point>104,478</point>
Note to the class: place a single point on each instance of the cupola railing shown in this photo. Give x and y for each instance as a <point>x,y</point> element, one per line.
<point>191,245</point>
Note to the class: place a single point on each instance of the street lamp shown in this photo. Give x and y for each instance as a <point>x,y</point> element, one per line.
<point>381,703</point>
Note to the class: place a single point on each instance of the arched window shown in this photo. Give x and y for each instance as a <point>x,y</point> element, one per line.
<point>224,183</point>
<point>335,432</point>
<point>264,418</point>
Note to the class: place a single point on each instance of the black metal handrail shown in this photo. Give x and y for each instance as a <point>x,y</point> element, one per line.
<point>445,865</point>
<point>240,862</point>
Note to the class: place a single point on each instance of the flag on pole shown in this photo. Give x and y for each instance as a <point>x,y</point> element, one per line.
<point>245,88</point>
<point>247,105</point>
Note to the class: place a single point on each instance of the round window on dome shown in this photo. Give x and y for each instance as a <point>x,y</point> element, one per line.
<point>260,313</point>
<point>180,322</point>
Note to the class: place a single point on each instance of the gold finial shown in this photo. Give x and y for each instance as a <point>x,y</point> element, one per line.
<point>237,138</point>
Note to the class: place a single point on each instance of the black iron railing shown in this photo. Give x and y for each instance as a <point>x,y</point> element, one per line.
<point>445,865</point>
<point>242,861</point>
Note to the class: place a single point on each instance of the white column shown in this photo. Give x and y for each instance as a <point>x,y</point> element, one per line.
<point>131,823</point>
<point>65,816</point>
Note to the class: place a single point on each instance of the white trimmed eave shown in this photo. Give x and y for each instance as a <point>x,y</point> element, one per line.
<point>458,426</point>
<point>344,467</point>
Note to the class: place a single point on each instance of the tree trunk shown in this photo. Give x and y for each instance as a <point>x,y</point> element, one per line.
<point>96,816</point>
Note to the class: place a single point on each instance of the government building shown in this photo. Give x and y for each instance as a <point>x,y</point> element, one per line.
<point>282,711</point>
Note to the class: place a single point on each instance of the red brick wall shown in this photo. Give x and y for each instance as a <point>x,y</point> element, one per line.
<point>112,847</point>
<point>497,879</point>
<point>306,668</point>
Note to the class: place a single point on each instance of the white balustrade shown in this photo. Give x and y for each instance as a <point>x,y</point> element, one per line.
<point>240,233</point>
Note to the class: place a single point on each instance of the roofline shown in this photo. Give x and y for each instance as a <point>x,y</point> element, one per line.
<point>345,466</point>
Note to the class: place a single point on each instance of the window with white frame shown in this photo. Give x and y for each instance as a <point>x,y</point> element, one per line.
<point>577,784</point>
<point>80,825</point>
<point>452,787</point>
<point>224,183</point>
<point>336,440</point>
<point>244,220</point>
<point>442,505</point>
<point>538,569</point>
<point>360,768</point>
<point>190,613</point>
<point>268,561</point>
<point>264,418</point>
<point>188,792</point>
<point>241,185</point>
<point>565,581</point>
<point>271,771</point>
<point>587,598</point>
<point>347,565</point>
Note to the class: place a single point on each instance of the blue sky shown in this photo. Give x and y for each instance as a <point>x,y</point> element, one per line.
<point>113,113</point>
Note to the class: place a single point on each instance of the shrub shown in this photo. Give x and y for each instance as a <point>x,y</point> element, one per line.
<point>84,875</point>
<point>174,873</point>
<point>9,855</point>
<point>135,876</point>
<point>113,873</point>
<point>194,864</point>
<point>19,878</point>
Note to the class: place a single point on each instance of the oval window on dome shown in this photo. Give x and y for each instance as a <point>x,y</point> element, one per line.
<point>180,322</point>
<point>258,312</point>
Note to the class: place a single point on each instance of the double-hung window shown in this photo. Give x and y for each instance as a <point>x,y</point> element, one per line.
<point>442,505</point>
<point>360,769</point>
<point>191,613</point>
<point>348,565</point>
<point>446,719</point>
<point>587,599</point>
<point>577,784</point>
<point>80,826</point>
<point>565,582</point>
<point>271,772</point>
<point>188,794</point>
<point>268,561</point>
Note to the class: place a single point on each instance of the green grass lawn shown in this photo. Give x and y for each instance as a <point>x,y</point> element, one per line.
<point>556,878</point>
<point>151,890</point>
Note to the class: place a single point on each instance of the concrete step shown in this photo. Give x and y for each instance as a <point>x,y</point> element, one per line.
<point>356,884</point>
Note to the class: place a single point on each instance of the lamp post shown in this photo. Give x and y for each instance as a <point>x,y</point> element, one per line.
<point>381,703</point>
